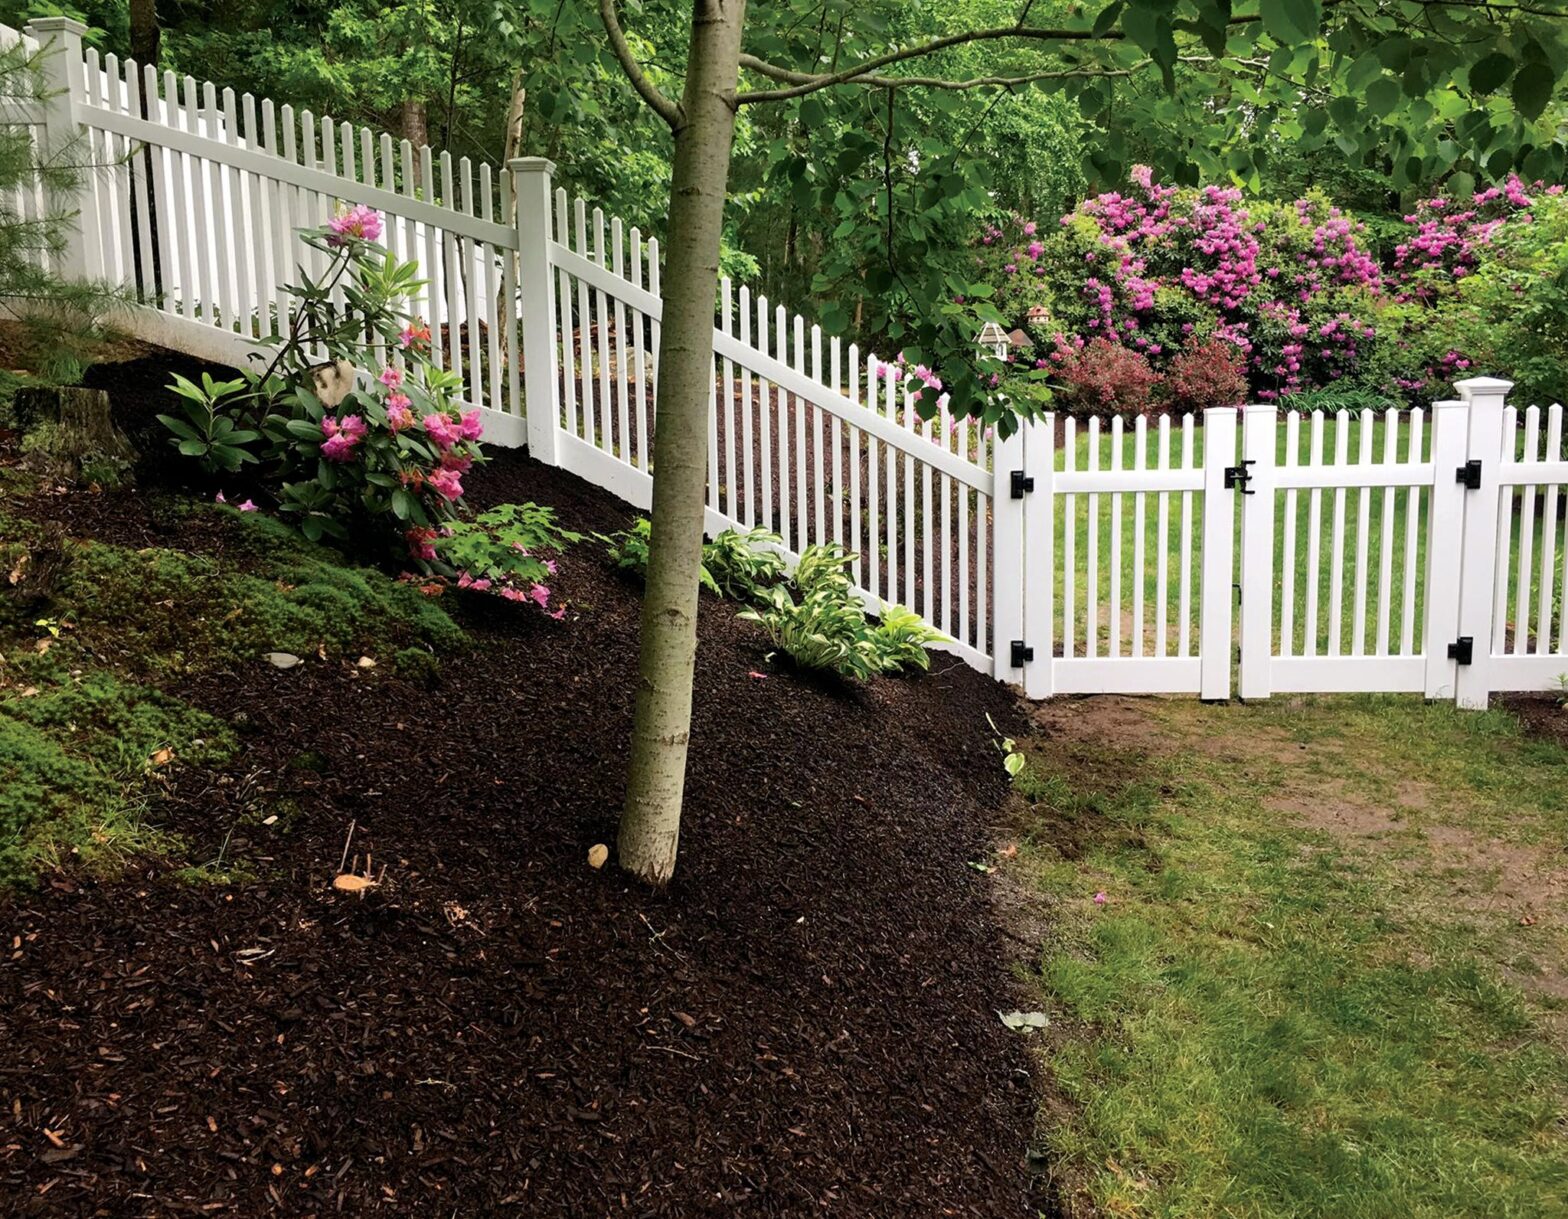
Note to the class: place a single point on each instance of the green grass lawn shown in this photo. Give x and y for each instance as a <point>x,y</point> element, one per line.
<point>1330,974</point>
<point>1389,608</point>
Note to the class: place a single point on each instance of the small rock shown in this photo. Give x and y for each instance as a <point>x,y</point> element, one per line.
<point>598,854</point>
<point>365,662</point>
<point>283,660</point>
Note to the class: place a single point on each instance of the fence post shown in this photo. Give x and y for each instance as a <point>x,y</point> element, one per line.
<point>1039,557</point>
<point>1257,551</point>
<point>1445,530</point>
<point>1007,563</point>
<point>1219,542</point>
<point>65,80</point>
<point>536,299</point>
<point>1484,397</point>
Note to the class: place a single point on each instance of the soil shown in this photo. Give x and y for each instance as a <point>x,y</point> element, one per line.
<point>804,1023</point>
<point>1543,715</point>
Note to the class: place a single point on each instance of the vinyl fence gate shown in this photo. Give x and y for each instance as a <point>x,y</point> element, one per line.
<point>1393,551</point>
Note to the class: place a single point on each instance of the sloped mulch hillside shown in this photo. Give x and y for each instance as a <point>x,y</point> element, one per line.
<point>804,1024</point>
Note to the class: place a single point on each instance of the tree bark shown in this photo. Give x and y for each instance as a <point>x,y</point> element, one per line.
<point>704,133</point>
<point>145,34</point>
<point>416,129</point>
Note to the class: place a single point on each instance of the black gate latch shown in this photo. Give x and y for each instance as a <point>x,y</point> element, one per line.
<point>1239,476</point>
<point>1469,474</point>
<point>1462,649</point>
<point>1019,483</point>
<point>1021,653</point>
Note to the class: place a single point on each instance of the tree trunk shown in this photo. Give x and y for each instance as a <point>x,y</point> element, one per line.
<point>69,434</point>
<point>416,129</point>
<point>145,34</point>
<point>651,820</point>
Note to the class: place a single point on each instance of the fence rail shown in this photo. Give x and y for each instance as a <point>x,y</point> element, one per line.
<point>1389,551</point>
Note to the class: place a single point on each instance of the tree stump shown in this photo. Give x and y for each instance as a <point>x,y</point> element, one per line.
<point>69,435</point>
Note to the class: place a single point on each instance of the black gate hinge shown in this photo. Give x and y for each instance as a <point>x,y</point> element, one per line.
<point>1239,477</point>
<point>1020,483</point>
<point>1469,474</point>
<point>1021,653</point>
<point>1462,649</point>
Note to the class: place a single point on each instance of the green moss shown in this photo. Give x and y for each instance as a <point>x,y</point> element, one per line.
<point>416,665</point>
<point>74,753</point>
<point>80,722</point>
<point>161,610</point>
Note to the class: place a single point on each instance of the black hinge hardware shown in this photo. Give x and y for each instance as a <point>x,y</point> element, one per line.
<point>1021,654</point>
<point>1470,475</point>
<point>1462,649</point>
<point>1239,476</point>
<point>1020,483</point>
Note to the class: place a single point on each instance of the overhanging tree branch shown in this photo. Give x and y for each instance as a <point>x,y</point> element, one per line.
<point>878,81</point>
<point>662,105</point>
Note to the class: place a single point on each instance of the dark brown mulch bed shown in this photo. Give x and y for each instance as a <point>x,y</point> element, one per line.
<point>804,1024</point>
<point>1543,715</point>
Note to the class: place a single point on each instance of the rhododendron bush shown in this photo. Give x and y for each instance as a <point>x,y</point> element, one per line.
<point>1226,298</point>
<point>358,435</point>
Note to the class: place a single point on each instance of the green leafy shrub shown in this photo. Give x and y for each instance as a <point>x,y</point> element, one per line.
<point>827,627</point>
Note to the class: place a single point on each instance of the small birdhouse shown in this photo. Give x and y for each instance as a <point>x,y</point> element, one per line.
<point>993,336</point>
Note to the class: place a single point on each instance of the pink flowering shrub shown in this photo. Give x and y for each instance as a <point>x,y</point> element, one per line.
<point>1292,289</point>
<point>371,444</point>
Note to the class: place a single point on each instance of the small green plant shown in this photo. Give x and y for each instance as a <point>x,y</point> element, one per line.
<point>500,551</point>
<point>206,433</point>
<point>1013,762</point>
<point>628,549</point>
<point>828,628</point>
<point>901,638</point>
<point>743,566</point>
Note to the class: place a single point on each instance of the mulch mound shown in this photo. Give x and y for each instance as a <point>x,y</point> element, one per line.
<point>1543,715</point>
<point>803,1024</point>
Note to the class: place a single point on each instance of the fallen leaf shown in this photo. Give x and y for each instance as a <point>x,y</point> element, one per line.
<point>365,662</point>
<point>352,882</point>
<point>283,660</point>
<point>1025,1022</point>
<point>1527,921</point>
<point>598,855</point>
<point>161,757</point>
<point>1010,851</point>
<point>757,676</point>
<point>689,1021</point>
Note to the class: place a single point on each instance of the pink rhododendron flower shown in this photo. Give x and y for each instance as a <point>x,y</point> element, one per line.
<point>514,594</point>
<point>448,484</point>
<point>248,506</point>
<point>219,498</point>
<point>541,594</point>
<point>421,542</point>
<point>338,447</point>
<point>471,425</point>
<point>457,462</point>
<point>442,429</point>
<point>398,414</point>
<point>391,376</point>
<point>416,333</point>
<point>359,221</point>
<point>1100,898</point>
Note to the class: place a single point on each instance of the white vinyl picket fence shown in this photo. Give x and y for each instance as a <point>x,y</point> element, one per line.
<point>1392,551</point>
